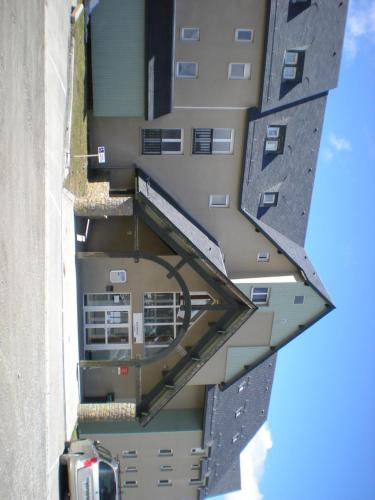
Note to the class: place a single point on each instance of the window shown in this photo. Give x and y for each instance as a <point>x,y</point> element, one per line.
<point>209,141</point>
<point>260,295</point>
<point>239,71</point>
<point>242,386</point>
<point>293,65</point>
<point>166,452</point>
<point>166,141</point>
<point>239,412</point>
<point>243,35</point>
<point>131,468</point>
<point>187,69</point>
<point>165,482</point>
<point>236,437</point>
<point>299,299</point>
<point>195,481</point>
<point>263,257</point>
<point>269,199</point>
<point>275,138</point>
<point>195,467</point>
<point>117,276</point>
<point>218,201</point>
<point>129,454</point>
<point>131,484</point>
<point>107,480</point>
<point>106,321</point>
<point>190,34</point>
<point>197,451</point>
<point>164,313</point>
<point>166,468</point>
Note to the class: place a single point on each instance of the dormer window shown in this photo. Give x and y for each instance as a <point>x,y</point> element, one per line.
<point>293,66</point>
<point>275,138</point>
<point>269,199</point>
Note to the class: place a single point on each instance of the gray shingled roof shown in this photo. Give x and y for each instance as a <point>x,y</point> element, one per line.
<point>318,31</point>
<point>290,174</point>
<point>221,424</point>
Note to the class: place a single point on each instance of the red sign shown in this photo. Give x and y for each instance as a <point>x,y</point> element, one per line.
<point>123,370</point>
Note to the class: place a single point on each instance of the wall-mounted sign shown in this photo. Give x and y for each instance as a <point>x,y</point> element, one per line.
<point>101,154</point>
<point>138,337</point>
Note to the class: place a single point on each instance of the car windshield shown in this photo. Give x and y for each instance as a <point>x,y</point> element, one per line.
<point>107,483</point>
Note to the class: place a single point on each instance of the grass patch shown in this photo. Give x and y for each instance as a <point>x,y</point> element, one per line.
<point>76,181</point>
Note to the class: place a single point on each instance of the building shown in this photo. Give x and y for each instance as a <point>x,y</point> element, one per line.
<point>211,113</point>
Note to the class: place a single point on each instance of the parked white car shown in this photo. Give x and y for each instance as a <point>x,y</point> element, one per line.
<point>89,472</point>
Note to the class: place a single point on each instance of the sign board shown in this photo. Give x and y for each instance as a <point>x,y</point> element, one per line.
<point>138,328</point>
<point>101,154</point>
<point>123,370</point>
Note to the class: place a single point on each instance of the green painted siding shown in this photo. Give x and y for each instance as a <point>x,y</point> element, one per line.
<point>118,74</point>
<point>238,357</point>
<point>287,315</point>
<point>286,320</point>
<point>165,421</point>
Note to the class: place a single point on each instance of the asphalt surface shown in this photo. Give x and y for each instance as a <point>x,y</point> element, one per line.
<point>33,79</point>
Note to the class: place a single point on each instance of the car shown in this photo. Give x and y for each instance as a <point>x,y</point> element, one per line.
<point>88,472</point>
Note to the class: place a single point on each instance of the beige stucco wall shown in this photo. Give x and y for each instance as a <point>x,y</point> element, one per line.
<point>217,21</point>
<point>148,463</point>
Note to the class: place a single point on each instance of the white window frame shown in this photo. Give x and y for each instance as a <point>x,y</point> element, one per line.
<point>213,141</point>
<point>118,276</point>
<point>130,483</point>
<point>271,146</point>
<point>249,30</point>
<point>197,481</point>
<point>213,204</point>
<point>129,454</point>
<point>191,39</point>
<point>178,69</point>
<point>273,132</point>
<point>242,386</point>
<point>177,316</point>
<point>292,68</point>
<point>246,71</point>
<point>164,140</point>
<point>239,411</point>
<point>290,73</point>
<point>165,452</point>
<point>256,296</point>
<point>165,482</point>
<point>216,140</point>
<point>269,199</point>
<point>263,257</point>
<point>180,140</point>
<point>236,437</point>
<point>107,324</point>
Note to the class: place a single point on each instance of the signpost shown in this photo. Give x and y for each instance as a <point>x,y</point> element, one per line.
<point>100,155</point>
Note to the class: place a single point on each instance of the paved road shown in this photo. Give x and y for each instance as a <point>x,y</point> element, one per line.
<point>33,80</point>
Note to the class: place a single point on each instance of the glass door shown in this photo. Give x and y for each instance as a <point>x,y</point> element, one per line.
<point>107,321</point>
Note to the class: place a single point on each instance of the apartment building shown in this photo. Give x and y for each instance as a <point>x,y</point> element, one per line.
<point>211,114</point>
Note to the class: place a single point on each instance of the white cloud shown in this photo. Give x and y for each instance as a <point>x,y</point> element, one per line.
<point>327,155</point>
<point>360,26</point>
<point>253,460</point>
<point>339,143</point>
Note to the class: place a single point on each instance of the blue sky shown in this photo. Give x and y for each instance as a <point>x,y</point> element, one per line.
<point>319,442</point>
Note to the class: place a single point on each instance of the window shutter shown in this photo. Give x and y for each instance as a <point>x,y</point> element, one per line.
<point>151,141</point>
<point>202,142</point>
